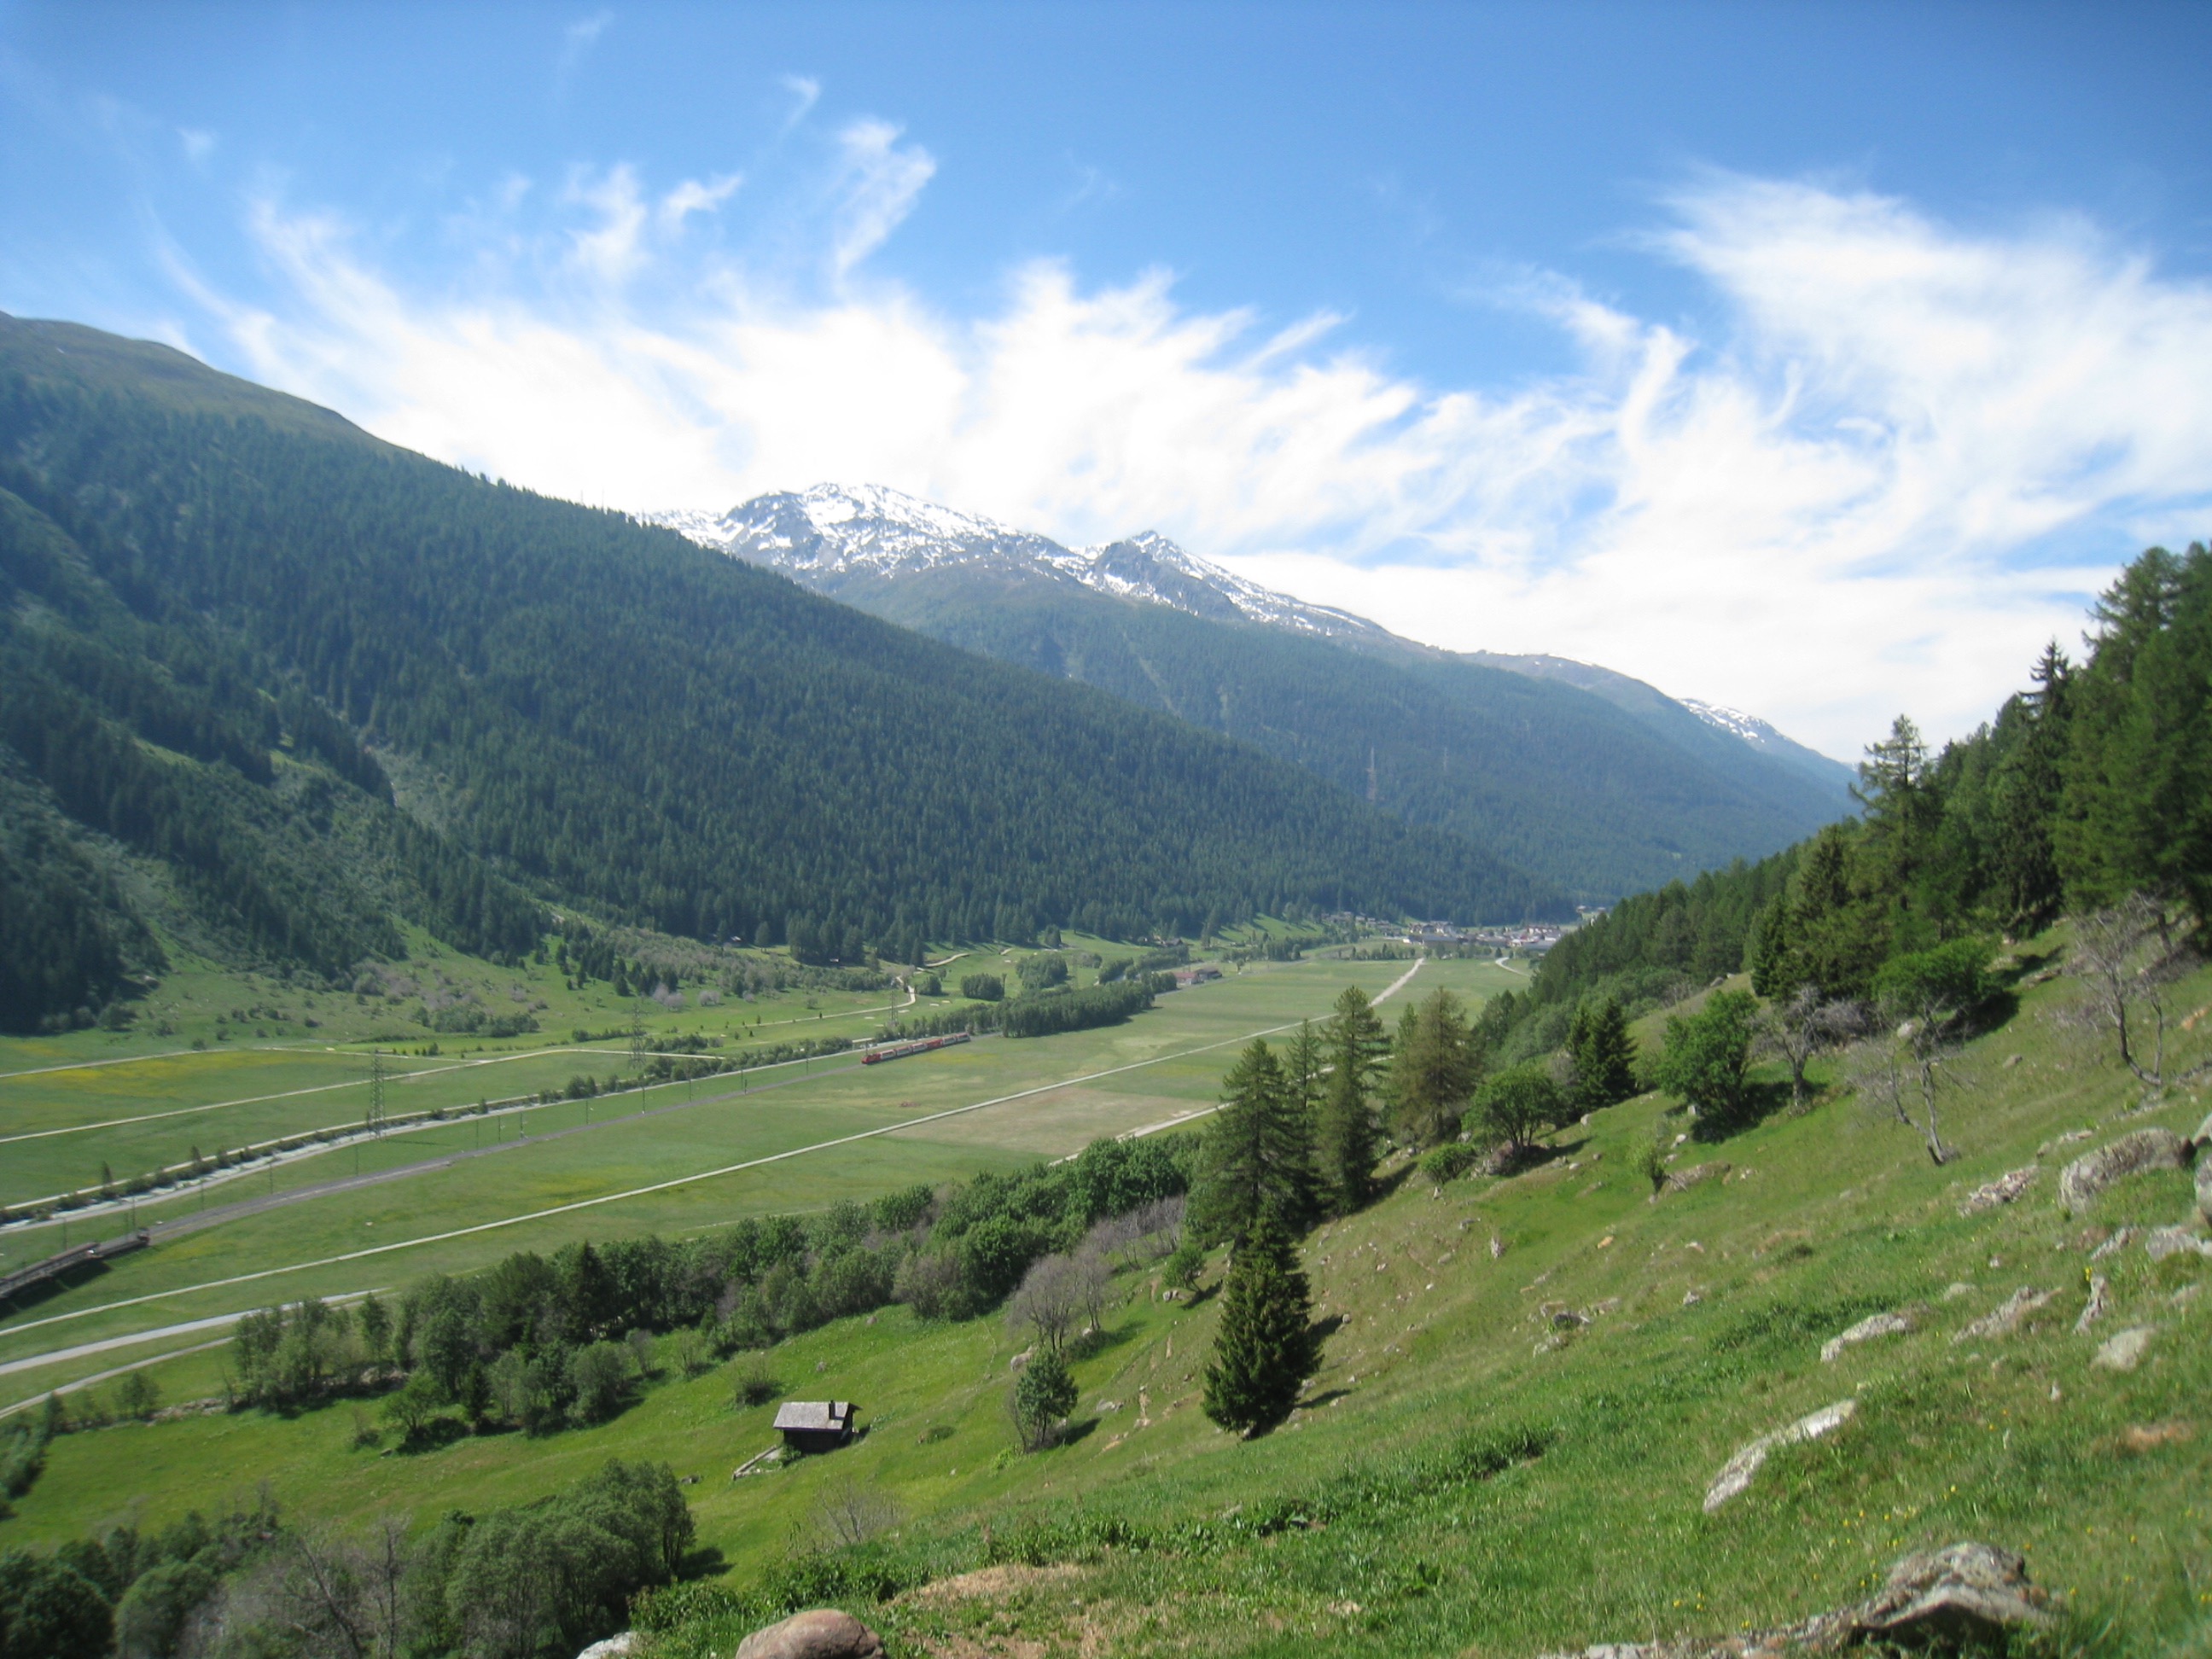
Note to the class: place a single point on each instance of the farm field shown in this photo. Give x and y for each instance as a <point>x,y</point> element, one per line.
<point>1164,1064</point>
<point>1482,1470</point>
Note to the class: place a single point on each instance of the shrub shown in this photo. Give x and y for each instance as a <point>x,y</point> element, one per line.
<point>1448,1161</point>
<point>982,987</point>
<point>1704,1062</point>
<point>599,1374</point>
<point>1517,1103</point>
<point>1043,1395</point>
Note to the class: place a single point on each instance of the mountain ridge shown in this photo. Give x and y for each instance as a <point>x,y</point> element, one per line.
<point>1592,780</point>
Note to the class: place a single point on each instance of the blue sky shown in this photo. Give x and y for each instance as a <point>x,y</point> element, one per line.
<point>1816,359</point>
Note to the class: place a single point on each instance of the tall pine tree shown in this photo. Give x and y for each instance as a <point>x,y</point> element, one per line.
<point>1258,1156</point>
<point>1434,1067</point>
<point>1603,1054</point>
<point>1267,1347</point>
<point>1346,1135</point>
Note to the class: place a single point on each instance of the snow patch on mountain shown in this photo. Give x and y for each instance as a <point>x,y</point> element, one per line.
<point>1751,729</point>
<point>832,533</point>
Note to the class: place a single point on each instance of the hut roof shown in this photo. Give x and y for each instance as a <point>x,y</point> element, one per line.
<point>830,1414</point>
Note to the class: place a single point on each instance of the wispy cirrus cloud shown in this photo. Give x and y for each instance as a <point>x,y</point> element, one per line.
<point>1898,462</point>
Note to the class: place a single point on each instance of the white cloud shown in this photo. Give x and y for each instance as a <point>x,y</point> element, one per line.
<point>198,145</point>
<point>693,197</point>
<point>877,185</point>
<point>1868,492</point>
<point>577,39</point>
<point>805,92</point>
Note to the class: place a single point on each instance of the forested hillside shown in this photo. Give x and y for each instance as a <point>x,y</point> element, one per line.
<point>230,616</point>
<point>2091,789</point>
<point>1589,780</point>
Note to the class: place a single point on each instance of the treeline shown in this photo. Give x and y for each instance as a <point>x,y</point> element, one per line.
<point>537,1343</point>
<point>2088,788</point>
<point>1043,1013</point>
<point>602,713</point>
<point>535,1581</point>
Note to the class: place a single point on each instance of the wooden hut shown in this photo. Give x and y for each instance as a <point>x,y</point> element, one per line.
<point>813,1426</point>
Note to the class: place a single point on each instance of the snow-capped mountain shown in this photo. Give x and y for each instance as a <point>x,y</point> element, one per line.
<point>881,549</point>
<point>833,532</point>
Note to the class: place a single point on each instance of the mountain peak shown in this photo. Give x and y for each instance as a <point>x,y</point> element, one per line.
<point>833,533</point>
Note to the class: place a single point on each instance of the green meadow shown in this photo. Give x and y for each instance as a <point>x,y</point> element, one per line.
<point>578,1159</point>
<point>1469,1467</point>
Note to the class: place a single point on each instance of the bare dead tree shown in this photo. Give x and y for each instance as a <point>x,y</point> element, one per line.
<point>2126,958</point>
<point>850,1513</point>
<point>1049,1301</point>
<point>1807,1024</point>
<point>1912,1065</point>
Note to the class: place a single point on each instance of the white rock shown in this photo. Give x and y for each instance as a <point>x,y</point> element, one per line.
<point>2007,1316</point>
<point>2098,1285</point>
<point>615,1647</point>
<point>1875,1325</point>
<point>2124,1350</point>
<point>1736,1473</point>
<point>2163,1241</point>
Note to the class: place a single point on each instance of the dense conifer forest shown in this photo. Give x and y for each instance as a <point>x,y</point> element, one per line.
<point>1556,780</point>
<point>315,683</point>
<point>2092,786</point>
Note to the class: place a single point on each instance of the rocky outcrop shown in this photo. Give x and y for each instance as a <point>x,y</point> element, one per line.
<point>2007,1316</point>
<point>2124,1350</point>
<point>2005,1188</point>
<point>2093,1309</point>
<point>1696,1175</point>
<point>1736,1473</point>
<point>1968,1596</point>
<point>615,1647</point>
<point>2131,1154</point>
<point>2163,1241</point>
<point>823,1633</point>
<point>1881,1324</point>
<point>2204,1183</point>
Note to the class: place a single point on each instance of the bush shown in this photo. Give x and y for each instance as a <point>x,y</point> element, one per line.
<point>1704,1060</point>
<point>754,1386</point>
<point>1043,1395</point>
<point>1448,1161</point>
<point>982,987</point>
<point>1517,1103</point>
<point>1041,973</point>
<point>599,1374</point>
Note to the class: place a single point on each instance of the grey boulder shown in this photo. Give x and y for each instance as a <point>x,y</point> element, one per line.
<point>2131,1154</point>
<point>821,1633</point>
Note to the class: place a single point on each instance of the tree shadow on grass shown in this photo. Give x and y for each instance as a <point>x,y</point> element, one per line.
<point>705,1562</point>
<point>433,1436</point>
<point>1761,1100</point>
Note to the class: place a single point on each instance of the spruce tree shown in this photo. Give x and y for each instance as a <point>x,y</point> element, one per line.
<point>1604,1055</point>
<point>1265,1348</point>
<point>1346,1135</point>
<point>1258,1155</point>
<point>1434,1067</point>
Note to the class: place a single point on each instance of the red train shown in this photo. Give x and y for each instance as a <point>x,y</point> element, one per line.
<point>918,1046</point>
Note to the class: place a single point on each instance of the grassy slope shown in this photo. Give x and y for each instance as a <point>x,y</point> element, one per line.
<point>2017,1440</point>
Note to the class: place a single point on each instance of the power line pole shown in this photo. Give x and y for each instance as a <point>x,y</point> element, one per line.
<point>376,1091</point>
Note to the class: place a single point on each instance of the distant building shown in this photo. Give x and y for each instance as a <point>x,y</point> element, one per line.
<point>815,1425</point>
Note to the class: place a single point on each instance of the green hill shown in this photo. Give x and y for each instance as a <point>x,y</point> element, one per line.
<point>1529,1384</point>
<point>313,682</point>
